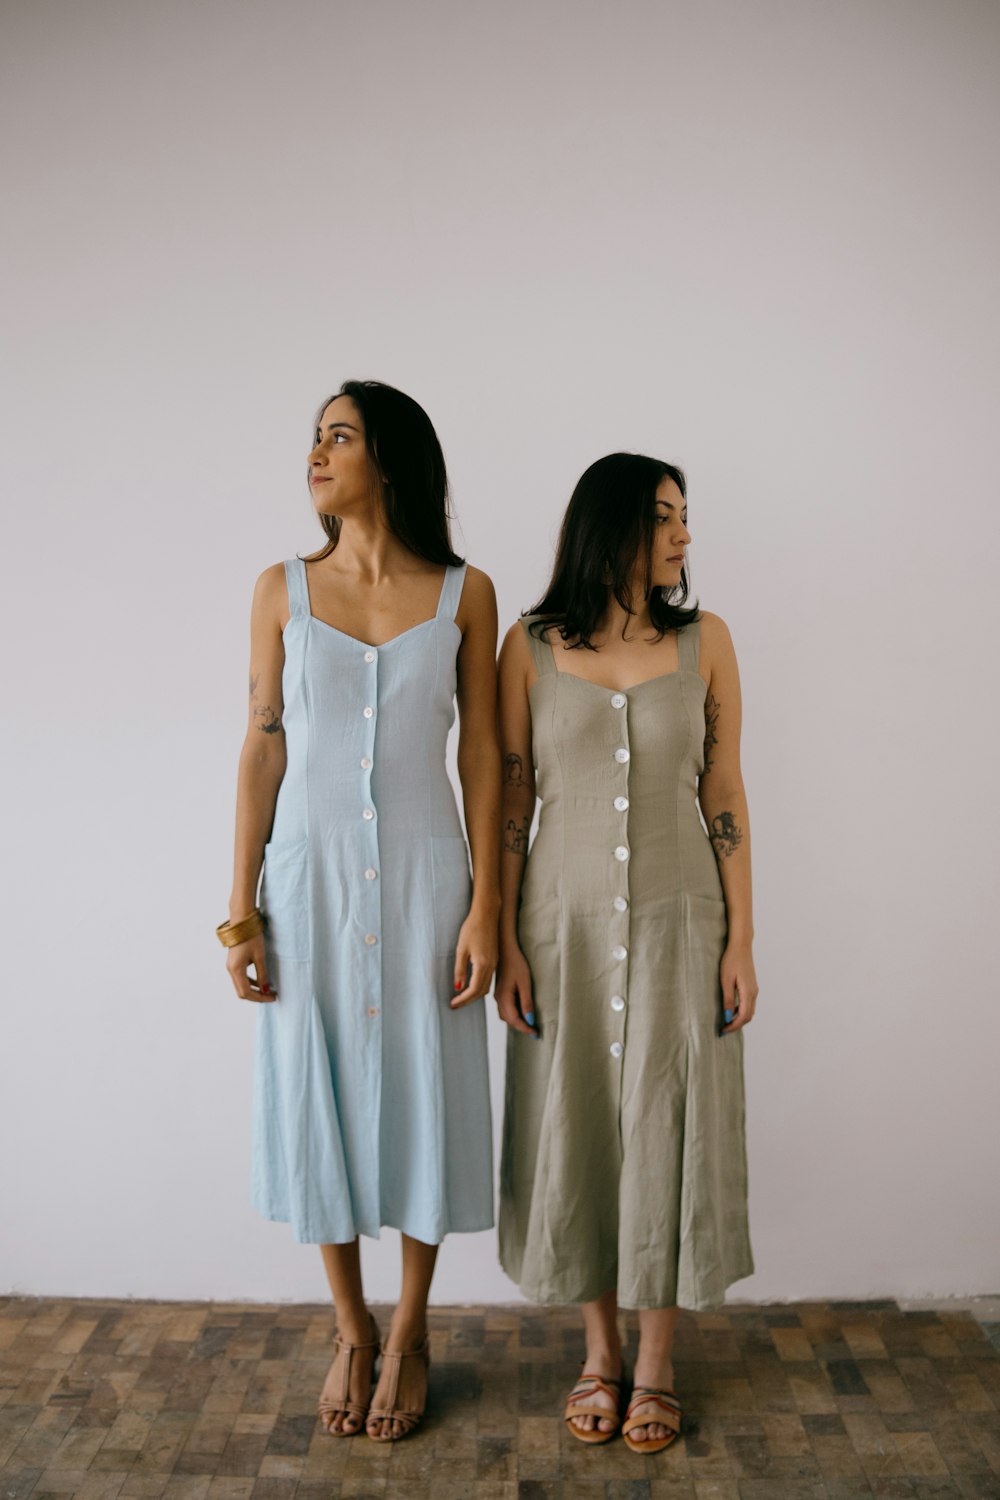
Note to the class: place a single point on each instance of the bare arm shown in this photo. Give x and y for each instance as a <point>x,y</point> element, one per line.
<point>723,802</point>
<point>517,808</point>
<point>479,773</point>
<point>261,768</point>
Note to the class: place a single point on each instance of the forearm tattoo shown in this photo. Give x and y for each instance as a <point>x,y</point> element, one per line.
<point>266,720</point>
<point>711,724</point>
<point>515,771</point>
<point>515,835</point>
<point>725,835</point>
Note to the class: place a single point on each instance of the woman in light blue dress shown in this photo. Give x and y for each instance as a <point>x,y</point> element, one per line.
<point>371,1092</point>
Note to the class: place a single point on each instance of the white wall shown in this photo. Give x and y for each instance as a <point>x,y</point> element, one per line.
<point>757,239</point>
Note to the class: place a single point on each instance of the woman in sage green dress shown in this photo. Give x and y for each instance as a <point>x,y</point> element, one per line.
<point>626,972</point>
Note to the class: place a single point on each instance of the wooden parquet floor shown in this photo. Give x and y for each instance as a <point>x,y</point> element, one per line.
<point>212,1401</point>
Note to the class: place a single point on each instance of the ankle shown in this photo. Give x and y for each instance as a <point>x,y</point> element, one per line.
<point>354,1325</point>
<point>407,1330</point>
<point>603,1359</point>
<point>653,1368</point>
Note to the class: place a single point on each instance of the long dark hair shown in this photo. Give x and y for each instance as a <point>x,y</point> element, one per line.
<point>403,446</point>
<point>609,523</point>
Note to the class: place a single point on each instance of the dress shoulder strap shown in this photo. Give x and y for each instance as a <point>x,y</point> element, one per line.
<point>298,590</point>
<point>541,651</point>
<point>688,645</point>
<point>451,592</point>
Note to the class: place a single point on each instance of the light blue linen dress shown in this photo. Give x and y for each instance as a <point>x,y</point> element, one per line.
<point>371,1096</point>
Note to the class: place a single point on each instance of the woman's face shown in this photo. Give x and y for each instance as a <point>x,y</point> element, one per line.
<point>341,475</point>
<point>671,537</point>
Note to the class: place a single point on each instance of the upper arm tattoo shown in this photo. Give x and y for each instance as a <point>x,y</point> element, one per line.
<point>711,724</point>
<point>264,717</point>
<point>725,835</point>
<point>515,771</point>
<point>266,720</point>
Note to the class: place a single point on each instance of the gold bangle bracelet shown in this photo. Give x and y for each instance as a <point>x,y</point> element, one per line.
<point>232,933</point>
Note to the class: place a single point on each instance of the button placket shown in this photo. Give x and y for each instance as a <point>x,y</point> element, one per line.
<point>619,924</point>
<point>371,904</point>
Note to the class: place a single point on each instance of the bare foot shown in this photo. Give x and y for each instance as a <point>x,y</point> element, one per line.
<point>337,1419</point>
<point>657,1376</point>
<point>608,1364</point>
<point>411,1393</point>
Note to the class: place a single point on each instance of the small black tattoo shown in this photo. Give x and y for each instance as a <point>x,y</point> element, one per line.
<point>254,679</point>
<point>267,720</point>
<point>515,771</point>
<point>725,835</point>
<point>515,836</point>
<point>711,738</point>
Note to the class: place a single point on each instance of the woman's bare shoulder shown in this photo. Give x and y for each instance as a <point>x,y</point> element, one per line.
<point>714,631</point>
<point>478,585</point>
<point>478,601</point>
<point>270,594</point>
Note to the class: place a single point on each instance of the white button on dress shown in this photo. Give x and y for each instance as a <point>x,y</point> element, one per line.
<point>366,764</point>
<point>618,700</point>
<point>619,952</point>
<point>371,939</point>
<point>368,814</point>
<point>621,755</point>
<point>620,904</point>
<point>369,712</point>
<point>370,874</point>
<point>617,1002</point>
<point>621,804</point>
<point>616,1049</point>
<point>621,853</point>
<point>369,656</point>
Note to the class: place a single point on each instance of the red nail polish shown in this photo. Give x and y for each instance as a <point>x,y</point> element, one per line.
<point>458,985</point>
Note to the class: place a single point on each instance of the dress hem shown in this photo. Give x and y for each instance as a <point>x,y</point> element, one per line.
<point>312,1236</point>
<point>551,1298</point>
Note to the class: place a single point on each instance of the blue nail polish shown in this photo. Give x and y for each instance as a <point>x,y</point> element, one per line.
<point>728,1016</point>
<point>530,1017</point>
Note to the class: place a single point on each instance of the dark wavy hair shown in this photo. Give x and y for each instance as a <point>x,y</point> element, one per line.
<point>609,523</point>
<point>403,446</point>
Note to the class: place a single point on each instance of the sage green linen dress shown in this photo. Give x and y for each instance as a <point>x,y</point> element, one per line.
<point>624,1157</point>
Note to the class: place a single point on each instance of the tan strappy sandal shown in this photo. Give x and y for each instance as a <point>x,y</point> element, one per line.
<point>329,1407</point>
<point>669,1415</point>
<point>579,1403</point>
<point>389,1413</point>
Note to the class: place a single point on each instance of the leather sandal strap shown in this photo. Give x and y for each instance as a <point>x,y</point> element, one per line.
<point>668,1405</point>
<point>590,1385</point>
<point>390,1412</point>
<point>580,1402</point>
<point>341,1401</point>
<point>352,1408</point>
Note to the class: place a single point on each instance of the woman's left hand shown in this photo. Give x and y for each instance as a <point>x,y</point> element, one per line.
<point>739,985</point>
<point>477,949</point>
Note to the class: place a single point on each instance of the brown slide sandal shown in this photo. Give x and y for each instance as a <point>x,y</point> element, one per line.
<point>580,1404</point>
<point>668,1416</point>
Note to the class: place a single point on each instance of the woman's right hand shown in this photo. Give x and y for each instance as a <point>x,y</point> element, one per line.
<point>512,991</point>
<point>240,959</point>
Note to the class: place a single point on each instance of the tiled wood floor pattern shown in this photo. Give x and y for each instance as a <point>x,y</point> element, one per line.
<point>216,1402</point>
